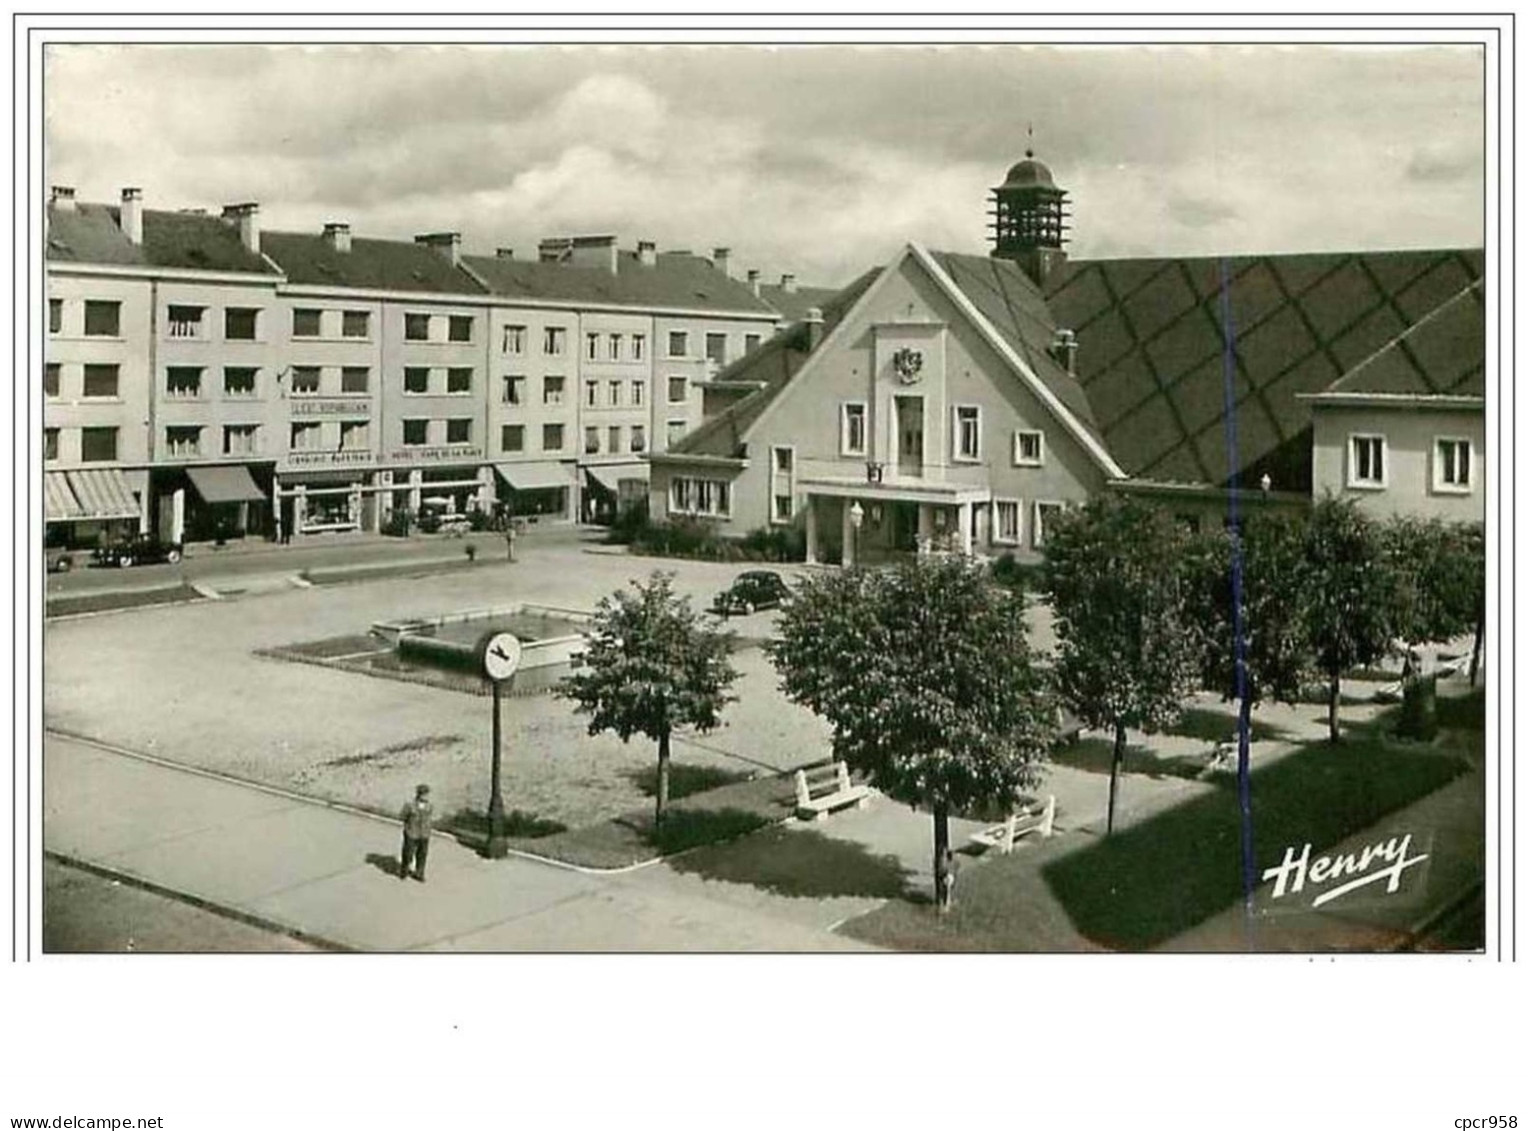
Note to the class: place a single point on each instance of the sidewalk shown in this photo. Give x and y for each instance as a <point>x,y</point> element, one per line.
<point>330,874</point>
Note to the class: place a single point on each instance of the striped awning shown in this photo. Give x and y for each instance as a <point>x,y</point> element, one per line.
<point>59,502</point>
<point>102,493</point>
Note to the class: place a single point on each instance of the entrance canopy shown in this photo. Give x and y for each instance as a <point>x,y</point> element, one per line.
<point>610,475</point>
<point>231,484</point>
<point>536,476</point>
<point>87,496</point>
<point>905,490</point>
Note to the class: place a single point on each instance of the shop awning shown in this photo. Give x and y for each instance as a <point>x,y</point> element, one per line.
<point>609,475</point>
<point>536,476</point>
<point>59,502</point>
<point>102,493</point>
<point>231,484</point>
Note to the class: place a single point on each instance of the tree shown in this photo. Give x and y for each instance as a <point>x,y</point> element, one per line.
<point>1128,650</point>
<point>924,674</point>
<point>652,667</point>
<point>1350,601</point>
<point>1438,572</point>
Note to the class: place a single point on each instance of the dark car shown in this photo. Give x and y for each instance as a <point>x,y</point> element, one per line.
<point>59,559</point>
<point>140,549</point>
<point>756,589</point>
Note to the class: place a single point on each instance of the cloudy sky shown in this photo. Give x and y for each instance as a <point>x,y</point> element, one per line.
<point>820,161</point>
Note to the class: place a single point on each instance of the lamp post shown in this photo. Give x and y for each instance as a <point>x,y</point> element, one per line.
<point>856,520</point>
<point>499,656</point>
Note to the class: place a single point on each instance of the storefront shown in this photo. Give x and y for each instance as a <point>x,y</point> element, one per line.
<point>541,491</point>
<point>610,489</point>
<point>83,509</point>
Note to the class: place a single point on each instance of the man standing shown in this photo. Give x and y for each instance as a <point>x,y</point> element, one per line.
<point>417,817</point>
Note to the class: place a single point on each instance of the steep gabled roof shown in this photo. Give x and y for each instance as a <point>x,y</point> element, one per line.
<point>794,304</point>
<point>1441,355</point>
<point>677,281</point>
<point>1151,348</point>
<point>370,264</point>
<point>194,241</point>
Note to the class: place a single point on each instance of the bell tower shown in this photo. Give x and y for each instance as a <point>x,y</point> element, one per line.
<point>1029,218</point>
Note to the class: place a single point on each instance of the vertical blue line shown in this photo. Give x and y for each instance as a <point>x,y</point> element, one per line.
<point>1239,639</point>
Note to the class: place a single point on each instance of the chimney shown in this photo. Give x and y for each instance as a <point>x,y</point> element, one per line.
<point>753,282</point>
<point>813,322</point>
<point>647,253</point>
<point>448,244</point>
<point>1064,349</point>
<point>62,198</point>
<point>337,236</point>
<point>721,259</point>
<point>131,216</point>
<point>788,284</point>
<point>503,253</point>
<point>247,216</point>
<point>598,252</point>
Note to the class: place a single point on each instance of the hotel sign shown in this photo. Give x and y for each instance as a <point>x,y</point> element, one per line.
<point>355,406</point>
<point>437,453</point>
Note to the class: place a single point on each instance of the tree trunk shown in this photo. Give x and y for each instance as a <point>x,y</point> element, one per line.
<point>1119,756</point>
<point>943,875</point>
<point>1334,693</point>
<point>663,777</point>
<point>1480,635</point>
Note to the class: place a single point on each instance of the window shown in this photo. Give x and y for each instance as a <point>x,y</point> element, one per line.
<point>514,390</point>
<point>675,431</point>
<point>103,320</point>
<point>751,342</point>
<point>638,347</point>
<point>678,390</point>
<point>182,441</point>
<point>1044,513</point>
<point>613,392</point>
<point>98,445</point>
<point>1028,449</point>
<point>615,347</point>
<point>551,437</point>
<point>307,323</point>
<point>716,348</point>
<point>240,323</point>
<point>678,343</point>
<point>459,430</point>
<point>554,341</point>
<point>55,315</point>
<point>355,435</point>
<point>638,438</point>
<point>239,382</point>
<point>785,460</point>
<point>701,496</point>
<point>782,511</point>
<point>592,441</point>
<point>968,432</point>
<point>851,430</point>
<point>460,328</point>
<point>591,394</point>
<point>551,390</point>
<point>1451,465</point>
<point>100,380</point>
<point>307,437</point>
<point>514,339</point>
<point>638,393</point>
<point>356,324</point>
<point>416,379</point>
<point>592,347</point>
<point>50,443</point>
<point>184,321</point>
<point>240,439</point>
<point>416,327</point>
<point>50,378</point>
<point>1006,522</point>
<point>615,439</point>
<point>416,432</point>
<point>459,379</point>
<point>1366,461</point>
<point>355,379</point>
<point>306,380</point>
<point>512,438</point>
<point>182,381</point>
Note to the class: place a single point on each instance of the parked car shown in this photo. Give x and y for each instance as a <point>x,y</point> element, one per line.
<point>59,559</point>
<point>139,549</point>
<point>755,589</point>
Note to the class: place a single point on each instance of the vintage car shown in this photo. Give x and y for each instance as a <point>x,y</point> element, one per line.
<point>137,549</point>
<point>755,589</point>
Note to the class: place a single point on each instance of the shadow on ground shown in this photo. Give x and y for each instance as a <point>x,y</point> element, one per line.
<point>799,862</point>
<point>388,865</point>
<point>1213,726</point>
<point>685,779</point>
<point>1095,755</point>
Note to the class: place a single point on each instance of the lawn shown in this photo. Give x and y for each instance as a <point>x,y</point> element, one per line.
<point>70,605</point>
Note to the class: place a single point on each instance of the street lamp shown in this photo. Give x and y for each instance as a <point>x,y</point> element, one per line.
<point>856,520</point>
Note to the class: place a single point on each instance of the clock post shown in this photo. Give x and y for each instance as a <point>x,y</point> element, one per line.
<point>499,656</point>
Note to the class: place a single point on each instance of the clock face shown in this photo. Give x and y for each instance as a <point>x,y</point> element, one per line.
<point>501,655</point>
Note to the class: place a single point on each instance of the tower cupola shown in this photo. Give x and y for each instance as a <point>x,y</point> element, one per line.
<point>1029,218</point>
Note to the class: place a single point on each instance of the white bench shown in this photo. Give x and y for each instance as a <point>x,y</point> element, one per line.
<point>821,790</point>
<point>1041,819</point>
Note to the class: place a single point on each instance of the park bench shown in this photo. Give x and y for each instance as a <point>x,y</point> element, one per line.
<point>824,788</point>
<point>1031,818</point>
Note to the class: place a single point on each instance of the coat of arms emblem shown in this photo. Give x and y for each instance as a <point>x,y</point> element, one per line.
<point>908,364</point>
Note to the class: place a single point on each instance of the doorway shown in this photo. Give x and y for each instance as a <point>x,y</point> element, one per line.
<point>909,417</point>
